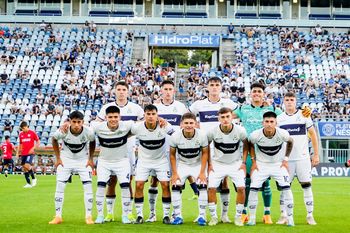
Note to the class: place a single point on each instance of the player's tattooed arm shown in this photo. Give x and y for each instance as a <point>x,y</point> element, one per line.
<point>92,147</point>
<point>289,148</point>
<point>56,149</point>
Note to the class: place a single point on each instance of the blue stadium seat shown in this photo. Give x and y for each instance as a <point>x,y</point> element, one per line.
<point>172,15</point>
<point>246,15</point>
<point>320,16</point>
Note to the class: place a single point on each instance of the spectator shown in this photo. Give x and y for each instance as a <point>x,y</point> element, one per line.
<point>230,29</point>
<point>37,83</point>
<point>4,78</point>
<point>8,125</point>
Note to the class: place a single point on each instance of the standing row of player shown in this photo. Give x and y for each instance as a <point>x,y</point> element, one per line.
<point>152,157</point>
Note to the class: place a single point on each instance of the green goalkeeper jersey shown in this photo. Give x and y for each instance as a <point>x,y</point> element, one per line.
<point>252,117</point>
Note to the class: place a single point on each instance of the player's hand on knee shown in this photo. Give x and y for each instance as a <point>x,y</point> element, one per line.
<point>306,111</point>
<point>58,163</point>
<point>243,167</point>
<point>175,179</point>
<point>202,178</point>
<point>90,163</point>
<point>285,164</point>
<point>253,168</point>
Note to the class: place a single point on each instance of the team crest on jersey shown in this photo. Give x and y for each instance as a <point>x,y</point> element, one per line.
<point>129,110</point>
<point>160,135</point>
<point>175,109</point>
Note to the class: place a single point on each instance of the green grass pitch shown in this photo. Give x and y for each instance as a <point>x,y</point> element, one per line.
<point>30,210</point>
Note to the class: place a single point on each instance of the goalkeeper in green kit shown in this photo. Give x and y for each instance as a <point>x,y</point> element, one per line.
<point>251,116</point>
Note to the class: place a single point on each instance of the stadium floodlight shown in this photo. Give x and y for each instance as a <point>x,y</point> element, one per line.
<point>295,1</point>
<point>221,0</point>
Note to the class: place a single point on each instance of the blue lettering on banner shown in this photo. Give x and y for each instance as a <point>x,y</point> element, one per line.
<point>173,119</point>
<point>184,40</point>
<point>208,116</point>
<point>334,129</point>
<point>295,129</point>
<point>129,118</point>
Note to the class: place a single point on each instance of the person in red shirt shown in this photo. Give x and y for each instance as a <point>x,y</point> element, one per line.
<point>7,148</point>
<point>28,141</point>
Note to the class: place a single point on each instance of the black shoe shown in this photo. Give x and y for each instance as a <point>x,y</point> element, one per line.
<point>166,220</point>
<point>139,220</point>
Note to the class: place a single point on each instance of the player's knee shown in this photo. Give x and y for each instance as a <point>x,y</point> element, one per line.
<point>140,185</point>
<point>101,184</point>
<point>165,185</point>
<point>124,185</point>
<point>305,185</point>
<point>154,181</point>
<point>112,181</point>
<point>240,190</point>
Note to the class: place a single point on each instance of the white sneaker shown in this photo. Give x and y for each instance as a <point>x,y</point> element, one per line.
<point>310,220</point>
<point>34,182</point>
<point>282,220</point>
<point>225,219</point>
<point>238,221</point>
<point>27,186</point>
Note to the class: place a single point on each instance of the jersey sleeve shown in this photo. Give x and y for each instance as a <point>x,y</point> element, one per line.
<point>140,114</point>
<point>172,141</point>
<point>285,135</point>
<point>128,125</point>
<point>242,133</point>
<point>169,129</point>
<point>309,123</point>
<point>278,111</point>
<point>210,135</point>
<point>58,135</point>
<point>102,114</point>
<point>254,136</point>
<point>135,128</point>
<point>36,137</point>
<point>204,141</point>
<point>193,108</point>
<point>91,134</point>
<point>238,112</point>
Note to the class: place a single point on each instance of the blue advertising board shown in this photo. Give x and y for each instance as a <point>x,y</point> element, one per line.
<point>334,129</point>
<point>184,41</point>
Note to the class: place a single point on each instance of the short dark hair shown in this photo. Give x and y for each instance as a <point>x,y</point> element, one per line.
<point>112,109</point>
<point>167,82</point>
<point>270,114</point>
<point>290,94</point>
<point>188,115</point>
<point>149,108</point>
<point>121,83</point>
<point>23,124</point>
<point>7,137</point>
<point>224,110</point>
<point>214,79</point>
<point>76,115</point>
<point>257,85</point>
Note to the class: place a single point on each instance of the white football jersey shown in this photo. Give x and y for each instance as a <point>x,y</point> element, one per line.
<point>172,113</point>
<point>208,111</point>
<point>189,150</point>
<point>297,125</point>
<point>113,143</point>
<point>269,150</point>
<point>152,142</point>
<point>130,111</point>
<point>75,147</point>
<point>226,146</point>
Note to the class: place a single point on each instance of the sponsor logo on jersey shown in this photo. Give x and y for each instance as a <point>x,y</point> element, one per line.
<point>270,150</point>
<point>226,148</point>
<point>152,144</point>
<point>75,148</point>
<point>208,116</point>
<point>295,129</point>
<point>113,142</point>
<point>189,153</point>
<point>129,118</point>
<point>173,119</point>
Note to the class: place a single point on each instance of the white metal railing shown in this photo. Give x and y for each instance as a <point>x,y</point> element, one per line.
<point>196,7</point>
<point>336,155</point>
<point>26,6</point>
<point>123,6</point>
<point>173,7</point>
